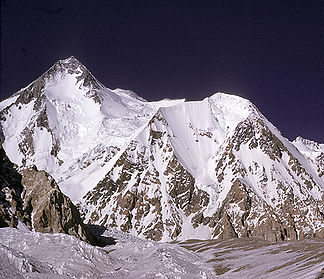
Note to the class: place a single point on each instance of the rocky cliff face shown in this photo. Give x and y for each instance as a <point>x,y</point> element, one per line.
<point>32,199</point>
<point>11,204</point>
<point>48,210</point>
<point>166,170</point>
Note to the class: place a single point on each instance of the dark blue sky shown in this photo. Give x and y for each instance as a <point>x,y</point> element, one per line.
<point>271,52</point>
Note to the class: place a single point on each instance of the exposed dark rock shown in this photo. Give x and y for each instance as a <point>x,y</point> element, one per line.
<point>243,214</point>
<point>50,210</point>
<point>33,198</point>
<point>97,232</point>
<point>11,204</point>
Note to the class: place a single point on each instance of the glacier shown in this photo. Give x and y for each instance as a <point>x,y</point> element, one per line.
<point>38,255</point>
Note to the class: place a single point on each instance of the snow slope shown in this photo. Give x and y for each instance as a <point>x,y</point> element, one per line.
<point>194,124</point>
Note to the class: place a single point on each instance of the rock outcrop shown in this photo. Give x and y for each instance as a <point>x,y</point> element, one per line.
<point>11,204</point>
<point>32,198</point>
<point>48,210</point>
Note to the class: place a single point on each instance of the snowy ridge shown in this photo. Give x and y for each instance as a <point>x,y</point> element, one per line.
<point>194,124</point>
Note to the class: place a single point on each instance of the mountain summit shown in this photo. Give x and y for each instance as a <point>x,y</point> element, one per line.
<point>166,170</point>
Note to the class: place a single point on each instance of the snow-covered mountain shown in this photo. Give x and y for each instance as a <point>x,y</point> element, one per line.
<point>166,170</point>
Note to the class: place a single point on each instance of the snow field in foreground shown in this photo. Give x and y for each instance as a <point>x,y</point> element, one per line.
<point>37,255</point>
